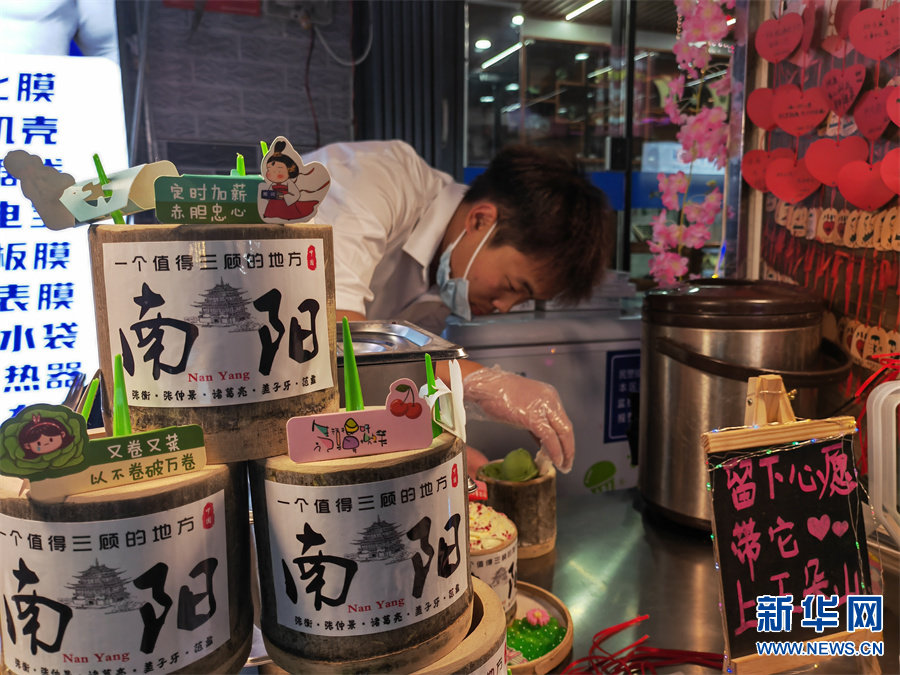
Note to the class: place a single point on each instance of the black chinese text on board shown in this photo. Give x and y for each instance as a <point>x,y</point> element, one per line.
<point>787,521</point>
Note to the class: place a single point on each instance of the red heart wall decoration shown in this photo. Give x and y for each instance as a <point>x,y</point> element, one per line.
<point>777,38</point>
<point>825,157</point>
<point>862,186</point>
<point>843,15</point>
<point>890,170</point>
<point>755,163</point>
<point>759,108</point>
<point>841,87</point>
<point>892,104</point>
<point>789,180</point>
<point>809,27</point>
<point>799,112</point>
<point>837,46</point>
<point>876,33</point>
<point>871,115</point>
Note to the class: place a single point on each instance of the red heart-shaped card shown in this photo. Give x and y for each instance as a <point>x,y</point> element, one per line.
<point>755,163</point>
<point>777,38</point>
<point>799,112</point>
<point>826,157</point>
<point>837,46</point>
<point>876,33</point>
<point>841,87</point>
<point>890,170</point>
<point>892,104</point>
<point>809,27</point>
<point>862,186</point>
<point>843,15</point>
<point>789,180</point>
<point>759,108</point>
<point>870,114</point>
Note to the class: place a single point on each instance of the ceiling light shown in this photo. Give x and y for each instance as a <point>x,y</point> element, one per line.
<point>601,71</point>
<point>517,20</point>
<point>482,44</point>
<point>502,55</point>
<point>581,56</point>
<point>571,15</point>
<point>487,99</point>
<point>512,86</point>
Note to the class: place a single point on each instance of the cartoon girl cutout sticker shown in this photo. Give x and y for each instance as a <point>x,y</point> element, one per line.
<point>43,436</point>
<point>291,190</point>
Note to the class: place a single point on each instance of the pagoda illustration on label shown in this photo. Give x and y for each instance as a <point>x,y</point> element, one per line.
<point>224,306</point>
<point>101,587</point>
<point>381,542</point>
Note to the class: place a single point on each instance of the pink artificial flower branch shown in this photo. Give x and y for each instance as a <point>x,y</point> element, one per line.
<point>703,135</point>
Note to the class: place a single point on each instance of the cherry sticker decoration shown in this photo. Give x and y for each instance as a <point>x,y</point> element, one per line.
<point>776,39</point>
<point>797,111</point>
<point>860,183</point>
<point>826,157</point>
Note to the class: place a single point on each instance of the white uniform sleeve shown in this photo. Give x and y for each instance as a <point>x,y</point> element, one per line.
<point>370,202</point>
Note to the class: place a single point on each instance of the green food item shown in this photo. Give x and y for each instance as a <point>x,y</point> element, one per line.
<point>534,641</point>
<point>517,466</point>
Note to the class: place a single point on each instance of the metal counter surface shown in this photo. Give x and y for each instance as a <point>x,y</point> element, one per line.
<point>615,560</point>
<point>613,563</point>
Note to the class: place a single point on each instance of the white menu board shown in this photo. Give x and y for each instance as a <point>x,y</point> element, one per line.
<point>63,109</point>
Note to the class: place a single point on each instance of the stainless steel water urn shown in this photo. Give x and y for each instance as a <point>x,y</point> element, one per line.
<point>701,342</point>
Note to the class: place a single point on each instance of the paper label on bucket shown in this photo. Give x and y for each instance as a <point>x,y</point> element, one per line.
<point>498,570</point>
<point>144,594</point>
<point>370,557</point>
<point>217,323</point>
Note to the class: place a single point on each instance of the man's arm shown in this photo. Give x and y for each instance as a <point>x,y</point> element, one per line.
<point>351,316</point>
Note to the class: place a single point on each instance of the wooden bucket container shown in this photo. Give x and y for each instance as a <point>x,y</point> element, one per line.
<point>492,556</point>
<point>531,505</point>
<point>151,577</point>
<point>231,327</point>
<point>363,562</point>
<point>484,648</point>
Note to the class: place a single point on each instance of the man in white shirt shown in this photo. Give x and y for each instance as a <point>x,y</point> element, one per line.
<point>412,244</point>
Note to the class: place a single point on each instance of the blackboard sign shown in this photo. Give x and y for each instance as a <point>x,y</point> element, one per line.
<point>788,520</point>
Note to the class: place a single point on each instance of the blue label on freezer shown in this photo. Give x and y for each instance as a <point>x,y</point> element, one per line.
<point>623,378</point>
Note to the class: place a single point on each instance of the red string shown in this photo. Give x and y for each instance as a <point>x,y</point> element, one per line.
<point>635,658</point>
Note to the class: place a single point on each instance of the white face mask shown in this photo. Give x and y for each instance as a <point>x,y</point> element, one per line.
<point>455,292</point>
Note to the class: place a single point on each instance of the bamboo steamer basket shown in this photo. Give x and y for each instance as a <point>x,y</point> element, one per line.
<point>497,567</point>
<point>233,430</point>
<point>531,505</point>
<point>388,547</point>
<point>484,648</point>
<point>135,509</point>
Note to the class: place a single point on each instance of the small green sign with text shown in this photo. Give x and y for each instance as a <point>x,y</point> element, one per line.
<point>207,200</point>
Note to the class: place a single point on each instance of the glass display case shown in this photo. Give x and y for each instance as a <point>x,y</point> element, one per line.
<point>536,78</point>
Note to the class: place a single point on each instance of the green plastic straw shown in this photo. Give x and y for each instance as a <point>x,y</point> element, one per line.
<point>117,216</point>
<point>429,377</point>
<point>89,398</point>
<point>353,397</point>
<point>121,420</point>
